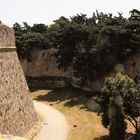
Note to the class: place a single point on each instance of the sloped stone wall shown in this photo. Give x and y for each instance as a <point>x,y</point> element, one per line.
<point>7,39</point>
<point>17,113</point>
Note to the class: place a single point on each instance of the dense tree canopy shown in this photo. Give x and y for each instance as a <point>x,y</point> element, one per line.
<point>120,99</point>
<point>28,38</point>
<point>91,46</point>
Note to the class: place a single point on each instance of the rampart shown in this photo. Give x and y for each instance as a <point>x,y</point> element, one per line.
<point>44,64</point>
<point>17,113</point>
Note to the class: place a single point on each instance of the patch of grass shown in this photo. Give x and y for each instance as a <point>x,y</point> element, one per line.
<point>83,124</point>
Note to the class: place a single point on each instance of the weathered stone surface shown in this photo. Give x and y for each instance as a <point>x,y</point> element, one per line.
<point>45,64</point>
<point>43,82</point>
<point>10,137</point>
<point>7,39</point>
<point>17,113</point>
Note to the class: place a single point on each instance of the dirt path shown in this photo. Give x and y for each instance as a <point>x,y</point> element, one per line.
<point>54,126</point>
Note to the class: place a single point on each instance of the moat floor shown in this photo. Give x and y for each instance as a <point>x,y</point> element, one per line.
<point>54,126</point>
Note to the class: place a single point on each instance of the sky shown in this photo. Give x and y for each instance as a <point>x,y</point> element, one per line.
<point>46,11</point>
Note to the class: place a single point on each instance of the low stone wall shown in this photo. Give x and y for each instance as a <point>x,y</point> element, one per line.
<point>47,82</point>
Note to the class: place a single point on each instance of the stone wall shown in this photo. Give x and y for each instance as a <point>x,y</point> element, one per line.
<point>44,64</point>
<point>17,113</point>
<point>48,82</point>
<point>7,39</point>
<point>42,67</point>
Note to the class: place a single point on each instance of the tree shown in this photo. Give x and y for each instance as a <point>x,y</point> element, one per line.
<point>75,43</point>
<point>39,28</point>
<point>135,14</point>
<point>121,97</point>
<point>87,45</point>
<point>18,29</point>
<point>28,38</point>
<point>31,41</point>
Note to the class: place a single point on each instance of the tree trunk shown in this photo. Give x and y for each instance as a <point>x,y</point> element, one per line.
<point>137,136</point>
<point>117,121</point>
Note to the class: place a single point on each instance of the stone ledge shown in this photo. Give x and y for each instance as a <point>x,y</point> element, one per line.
<point>4,49</point>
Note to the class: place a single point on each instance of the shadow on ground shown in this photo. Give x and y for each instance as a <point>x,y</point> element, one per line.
<point>71,96</point>
<point>106,137</point>
<point>129,136</point>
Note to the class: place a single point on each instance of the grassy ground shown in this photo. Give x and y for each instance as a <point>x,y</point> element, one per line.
<point>84,125</point>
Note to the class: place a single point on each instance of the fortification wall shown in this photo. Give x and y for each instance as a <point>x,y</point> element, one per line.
<point>7,39</point>
<point>17,113</point>
<point>44,64</point>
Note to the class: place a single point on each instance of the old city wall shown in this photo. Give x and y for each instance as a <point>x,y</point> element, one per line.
<point>44,64</point>
<point>44,67</point>
<point>17,113</point>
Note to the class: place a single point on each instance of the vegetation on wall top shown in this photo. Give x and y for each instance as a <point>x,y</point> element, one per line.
<point>91,46</point>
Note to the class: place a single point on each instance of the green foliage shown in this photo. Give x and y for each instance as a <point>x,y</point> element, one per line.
<point>29,38</point>
<point>39,28</point>
<point>25,44</point>
<point>117,127</point>
<point>90,46</point>
<point>121,97</point>
<point>104,102</point>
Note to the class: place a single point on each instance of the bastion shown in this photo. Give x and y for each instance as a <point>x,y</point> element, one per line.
<point>17,113</point>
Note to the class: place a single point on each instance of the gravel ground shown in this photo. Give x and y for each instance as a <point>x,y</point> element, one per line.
<point>54,125</point>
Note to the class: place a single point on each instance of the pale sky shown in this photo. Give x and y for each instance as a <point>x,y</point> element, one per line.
<point>45,11</point>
